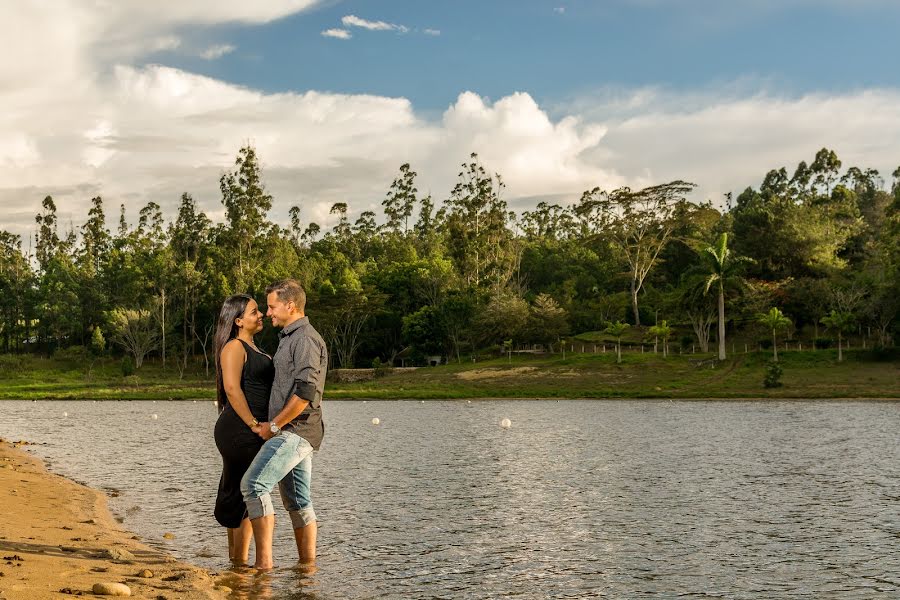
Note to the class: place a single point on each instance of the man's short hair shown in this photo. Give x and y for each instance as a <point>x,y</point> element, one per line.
<point>289,290</point>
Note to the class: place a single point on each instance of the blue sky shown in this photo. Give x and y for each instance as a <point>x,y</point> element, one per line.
<point>140,101</point>
<point>495,48</point>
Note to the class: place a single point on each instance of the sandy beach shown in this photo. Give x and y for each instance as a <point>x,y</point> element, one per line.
<point>57,538</point>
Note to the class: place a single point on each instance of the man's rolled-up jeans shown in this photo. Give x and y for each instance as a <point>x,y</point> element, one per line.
<point>286,460</point>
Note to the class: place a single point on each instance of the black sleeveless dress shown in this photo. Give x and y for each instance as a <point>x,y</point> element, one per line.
<point>236,443</point>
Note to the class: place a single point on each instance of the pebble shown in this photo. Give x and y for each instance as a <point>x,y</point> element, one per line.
<point>146,574</point>
<point>223,588</point>
<point>119,554</point>
<point>111,589</point>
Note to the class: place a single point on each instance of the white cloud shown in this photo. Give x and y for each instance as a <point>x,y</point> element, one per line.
<point>75,123</point>
<point>354,21</point>
<point>430,31</point>
<point>341,34</point>
<point>166,42</point>
<point>560,10</point>
<point>217,51</point>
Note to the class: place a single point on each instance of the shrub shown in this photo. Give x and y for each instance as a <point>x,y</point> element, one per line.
<point>773,375</point>
<point>823,343</point>
<point>72,353</point>
<point>127,366</point>
<point>381,369</point>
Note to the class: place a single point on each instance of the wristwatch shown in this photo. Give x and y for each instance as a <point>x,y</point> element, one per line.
<point>274,428</point>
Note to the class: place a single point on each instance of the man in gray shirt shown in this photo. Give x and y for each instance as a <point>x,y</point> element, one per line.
<point>294,430</point>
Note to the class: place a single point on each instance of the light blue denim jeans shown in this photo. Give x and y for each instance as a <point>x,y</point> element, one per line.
<point>286,460</point>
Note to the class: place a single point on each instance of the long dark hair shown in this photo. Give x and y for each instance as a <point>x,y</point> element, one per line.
<point>226,330</point>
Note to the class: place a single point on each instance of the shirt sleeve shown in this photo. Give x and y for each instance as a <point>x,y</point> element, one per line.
<point>307,370</point>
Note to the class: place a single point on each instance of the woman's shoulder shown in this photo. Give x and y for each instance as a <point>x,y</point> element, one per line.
<point>234,346</point>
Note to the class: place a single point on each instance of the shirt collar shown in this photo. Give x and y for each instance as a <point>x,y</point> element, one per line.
<point>301,322</point>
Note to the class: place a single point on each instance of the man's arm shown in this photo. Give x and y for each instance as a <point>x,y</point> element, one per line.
<point>306,363</point>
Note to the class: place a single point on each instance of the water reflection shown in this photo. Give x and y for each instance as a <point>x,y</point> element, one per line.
<point>295,583</point>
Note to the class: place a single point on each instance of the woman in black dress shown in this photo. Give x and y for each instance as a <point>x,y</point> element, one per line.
<point>244,377</point>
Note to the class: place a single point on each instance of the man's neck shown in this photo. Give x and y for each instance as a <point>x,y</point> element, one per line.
<point>293,319</point>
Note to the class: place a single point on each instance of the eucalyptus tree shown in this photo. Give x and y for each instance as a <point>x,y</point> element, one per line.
<point>91,261</point>
<point>824,170</point>
<point>56,279</point>
<point>189,237</point>
<point>246,228</point>
<point>16,281</point>
<point>400,200</point>
<point>639,224</point>
<point>773,321</point>
<point>475,225</point>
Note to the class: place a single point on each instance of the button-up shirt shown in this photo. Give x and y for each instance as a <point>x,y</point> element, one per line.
<point>300,365</point>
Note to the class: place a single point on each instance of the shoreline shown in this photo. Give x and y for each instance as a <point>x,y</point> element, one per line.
<point>748,398</point>
<point>58,538</point>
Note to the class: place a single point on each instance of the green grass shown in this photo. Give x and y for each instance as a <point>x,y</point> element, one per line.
<point>806,375</point>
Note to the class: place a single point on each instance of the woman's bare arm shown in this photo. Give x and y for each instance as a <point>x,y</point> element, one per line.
<point>233,358</point>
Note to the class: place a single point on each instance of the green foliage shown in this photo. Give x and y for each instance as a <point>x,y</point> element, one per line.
<point>98,342</point>
<point>773,375</point>
<point>459,272</point>
<point>127,366</point>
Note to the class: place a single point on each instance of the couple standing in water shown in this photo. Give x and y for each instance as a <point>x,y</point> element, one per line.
<point>270,421</point>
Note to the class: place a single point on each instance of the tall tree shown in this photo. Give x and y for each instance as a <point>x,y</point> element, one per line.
<point>722,268</point>
<point>639,224</point>
<point>400,200</point>
<point>246,205</point>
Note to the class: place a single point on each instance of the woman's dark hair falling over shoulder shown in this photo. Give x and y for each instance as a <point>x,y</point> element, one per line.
<point>226,330</point>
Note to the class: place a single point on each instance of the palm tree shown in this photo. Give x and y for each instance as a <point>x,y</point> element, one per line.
<point>722,271</point>
<point>664,331</point>
<point>774,320</point>
<point>616,330</point>
<point>840,321</point>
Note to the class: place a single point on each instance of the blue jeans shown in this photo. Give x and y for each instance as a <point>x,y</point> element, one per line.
<point>286,460</point>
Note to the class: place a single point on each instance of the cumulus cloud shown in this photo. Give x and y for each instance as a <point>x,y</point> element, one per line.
<point>354,21</point>
<point>75,126</point>
<point>217,51</point>
<point>341,34</point>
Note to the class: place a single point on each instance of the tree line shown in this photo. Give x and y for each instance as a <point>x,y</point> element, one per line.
<point>456,276</point>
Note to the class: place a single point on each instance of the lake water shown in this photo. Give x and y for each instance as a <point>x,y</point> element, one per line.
<point>618,499</point>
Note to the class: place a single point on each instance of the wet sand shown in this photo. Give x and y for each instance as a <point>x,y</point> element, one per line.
<point>56,537</point>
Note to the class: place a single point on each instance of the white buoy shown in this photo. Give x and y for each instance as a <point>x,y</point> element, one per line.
<point>154,402</point>
<point>423,402</point>
<point>65,414</point>
<point>376,421</point>
<point>155,417</point>
<point>468,402</point>
<point>505,423</point>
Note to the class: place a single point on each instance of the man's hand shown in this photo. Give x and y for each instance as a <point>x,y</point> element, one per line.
<point>263,431</point>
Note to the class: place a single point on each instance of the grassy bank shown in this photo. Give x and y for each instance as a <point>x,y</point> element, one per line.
<point>806,375</point>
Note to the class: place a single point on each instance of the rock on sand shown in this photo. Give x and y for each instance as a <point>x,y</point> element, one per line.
<point>111,589</point>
